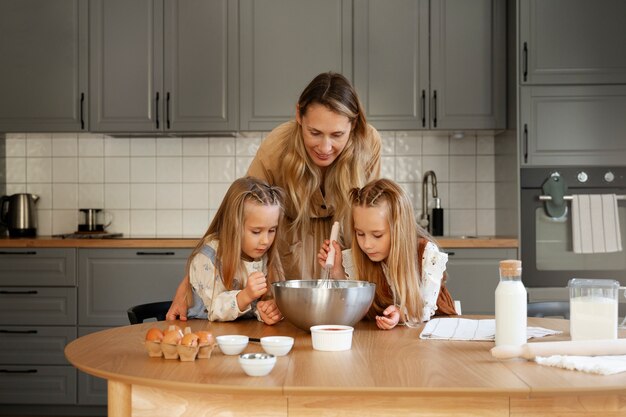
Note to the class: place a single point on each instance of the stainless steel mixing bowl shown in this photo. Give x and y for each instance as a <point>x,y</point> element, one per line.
<point>306,303</point>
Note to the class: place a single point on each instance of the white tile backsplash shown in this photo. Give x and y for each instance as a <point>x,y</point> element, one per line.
<point>115,146</point>
<point>38,144</point>
<point>64,144</point>
<point>169,196</point>
<point>169,169</point>
<point>39,170</point>
<point>117,169</point>
<point>90,195</point>
<point>143,147</point>
<point>91,170</point>
<point>143,196</point>
<point>196,168</point>
<point>64,196</point>
<point>170,187</point>
<point>143,170</point>
<point>65,169</point>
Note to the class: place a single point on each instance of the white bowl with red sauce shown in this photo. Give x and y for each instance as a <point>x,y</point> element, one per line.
<point>332,337</point>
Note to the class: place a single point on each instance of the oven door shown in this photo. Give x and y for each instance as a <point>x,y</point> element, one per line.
<point>548,259</point>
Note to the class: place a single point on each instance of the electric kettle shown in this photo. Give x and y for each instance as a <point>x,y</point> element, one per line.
<point>19,215</point>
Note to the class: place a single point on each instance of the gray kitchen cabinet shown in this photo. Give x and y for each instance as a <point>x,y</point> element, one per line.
<point>284,44</point>
<point>163,65</point>
<point>437,64</point>
<point>44,71</point>
<point>112,280</point>
<point>572,125</point>
<point>572,42</point>
<point>91,390</point>
<point>38,317</point>
<point>473,275</point>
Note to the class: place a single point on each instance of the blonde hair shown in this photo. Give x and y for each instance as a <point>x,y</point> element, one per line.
<point>403,263</point>
<point>351,169</point>
<point>227,228</point>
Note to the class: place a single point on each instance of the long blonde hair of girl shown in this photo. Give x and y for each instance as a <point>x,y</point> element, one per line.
<point>351,169</point>
<point>402,264</point>
<point>227,228</point>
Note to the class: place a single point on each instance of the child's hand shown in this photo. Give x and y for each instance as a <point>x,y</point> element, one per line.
<point>268,310</point>
<point>255,288</point>
<point>337,271</point>
<point>389,319</point>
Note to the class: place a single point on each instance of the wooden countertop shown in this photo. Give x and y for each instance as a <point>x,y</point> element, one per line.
<point>55,242</point>
<point>390,371</point>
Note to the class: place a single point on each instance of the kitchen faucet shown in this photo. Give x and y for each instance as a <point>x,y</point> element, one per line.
<point>425,218</point>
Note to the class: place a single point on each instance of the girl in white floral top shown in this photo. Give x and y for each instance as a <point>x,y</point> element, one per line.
<point>232,267</point>
<point>391,250</point>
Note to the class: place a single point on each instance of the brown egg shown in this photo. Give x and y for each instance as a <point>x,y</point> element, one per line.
<point>154,335</point>
<point>189,340</point>
<point>205,338</point>
<point>172,335</point>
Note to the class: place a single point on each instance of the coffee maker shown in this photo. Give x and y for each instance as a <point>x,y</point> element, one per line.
<point>92,220</point>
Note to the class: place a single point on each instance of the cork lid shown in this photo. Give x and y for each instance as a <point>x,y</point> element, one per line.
<point>511,267</point>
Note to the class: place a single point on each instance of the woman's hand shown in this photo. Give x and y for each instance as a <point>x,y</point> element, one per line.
<point>268,310</point>
<point>389,319</point>
<point>179,303</point>
<point>337,271</point>
<point>255,288</point>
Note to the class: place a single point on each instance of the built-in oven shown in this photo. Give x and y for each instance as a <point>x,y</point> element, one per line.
<point>546,238</point>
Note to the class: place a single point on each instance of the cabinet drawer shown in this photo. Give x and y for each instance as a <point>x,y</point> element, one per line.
<point>112,280</point>
<point>36,306</point>
<point>34,345</point>
<point>37,384</point>
<point>36,266</point>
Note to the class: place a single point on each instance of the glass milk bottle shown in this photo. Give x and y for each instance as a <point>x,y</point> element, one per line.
<point>510,305</point>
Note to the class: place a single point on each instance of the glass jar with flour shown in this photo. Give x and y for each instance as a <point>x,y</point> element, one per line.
<point>593,308</point>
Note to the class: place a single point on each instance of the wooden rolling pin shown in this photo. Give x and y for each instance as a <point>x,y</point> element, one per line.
<point>578,348</point>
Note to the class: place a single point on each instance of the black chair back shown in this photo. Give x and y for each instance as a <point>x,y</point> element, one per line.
<point>141,312</point>
<point>549,309</point>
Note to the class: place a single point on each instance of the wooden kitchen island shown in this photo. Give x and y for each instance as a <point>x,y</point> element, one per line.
<point>385,373</point>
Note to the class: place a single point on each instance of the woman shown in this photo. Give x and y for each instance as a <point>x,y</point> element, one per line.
<point>317,159</point>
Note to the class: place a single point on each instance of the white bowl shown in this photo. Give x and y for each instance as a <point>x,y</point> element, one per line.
<point>277,345</point>
<point>232,344</point>
<point>257,364</point>
<point>332,337</point>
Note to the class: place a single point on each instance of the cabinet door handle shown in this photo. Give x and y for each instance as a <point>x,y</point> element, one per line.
<point>17,371</point>
<point>18,331</point>
<point>19,253</point>
<point>156,110</point>
<point>155,253</point>
<point>525,143</point>
<point>82,111</point>
<point>435,108</point>
<point>525,62</point>
<point>449,253</point>
<point>29,292</point>
<point>167,109</point>
<point>423,108</point>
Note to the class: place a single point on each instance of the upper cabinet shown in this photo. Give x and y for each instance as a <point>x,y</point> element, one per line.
<point>572,42</point>
<point>573,125</point>
<point>572,82</point>
<point>284,45</point>
<point>158,66</point>
<point>437,64</point>
<point>43,76</point>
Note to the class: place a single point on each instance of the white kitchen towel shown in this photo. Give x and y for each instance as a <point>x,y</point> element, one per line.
<point>454,328</point>
<point>595,223</point>
<point>603,365</point>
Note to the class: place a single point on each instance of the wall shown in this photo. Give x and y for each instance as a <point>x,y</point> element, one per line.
<point>171,186</point>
